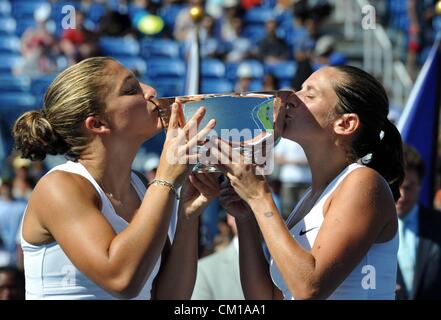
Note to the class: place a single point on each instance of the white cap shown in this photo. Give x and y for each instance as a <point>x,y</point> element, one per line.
<point>324,45</point>
<point>230,3</point>
<point>152,162</point>
<point>43,12</point>
<point>244,71</point>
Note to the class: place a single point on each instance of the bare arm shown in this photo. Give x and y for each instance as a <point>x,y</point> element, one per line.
<point>254,270</point>
<point>177,276</point>
<point>67,207</point>
<point>352,224</point>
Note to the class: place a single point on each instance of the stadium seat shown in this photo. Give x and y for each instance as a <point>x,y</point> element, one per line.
<point>212,68</point>
<point>231,70</point>
<point>216,86</point>
<point>169,14</point>
<point>39,86</point>
<point>254,33</point>
<point>165,67</point>
<point>5,8</point>
<point>135,64</point>
<point>7,25</point>
<point>16,100</point>
<point>338,59</point>
<point>160,48</point>
<point>258,15</point>
<point>254,68</point>
<point>9,44</point>
<point>255,85</point>
<point>22,9</point>
<point>9,61</point>
<point>10,83</point>
<point>282,70</point>
<point>114,46</point>
<point>23,24</point>
<point>167,87</point>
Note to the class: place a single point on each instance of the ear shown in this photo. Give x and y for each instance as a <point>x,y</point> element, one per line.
<point>97,126</point>
<point>347,124</point>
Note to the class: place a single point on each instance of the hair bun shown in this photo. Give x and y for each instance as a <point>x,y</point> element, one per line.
<point>35,137</point>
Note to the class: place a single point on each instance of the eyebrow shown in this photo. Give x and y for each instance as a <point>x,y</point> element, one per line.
<point>129,77</point>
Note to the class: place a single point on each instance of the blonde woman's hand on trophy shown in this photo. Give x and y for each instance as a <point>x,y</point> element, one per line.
<point>179,151</point>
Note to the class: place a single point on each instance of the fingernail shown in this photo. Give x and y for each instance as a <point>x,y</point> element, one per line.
<point>212,123</point>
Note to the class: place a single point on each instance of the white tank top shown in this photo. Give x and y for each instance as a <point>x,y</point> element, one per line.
<point>49,272</point>
<point>373,278</point>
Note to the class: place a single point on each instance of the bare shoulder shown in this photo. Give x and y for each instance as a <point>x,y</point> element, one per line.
<point>365,183</point>
<point>59,186</point>
<point>367,193</point>
<point>58,195</point>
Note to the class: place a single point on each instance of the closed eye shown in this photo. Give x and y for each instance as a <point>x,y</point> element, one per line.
<point>130,86</point>
<point>132,91</point>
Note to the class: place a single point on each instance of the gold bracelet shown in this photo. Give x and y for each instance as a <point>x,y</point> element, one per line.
<point>162,182</point>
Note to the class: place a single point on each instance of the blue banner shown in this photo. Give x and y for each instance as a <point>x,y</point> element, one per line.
<point>418,124</point>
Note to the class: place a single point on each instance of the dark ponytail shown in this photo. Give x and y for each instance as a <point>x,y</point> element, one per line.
<point>378,143</point>
<point>387,158</point>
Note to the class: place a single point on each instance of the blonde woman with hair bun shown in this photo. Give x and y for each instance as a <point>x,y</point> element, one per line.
<point>91,229</point>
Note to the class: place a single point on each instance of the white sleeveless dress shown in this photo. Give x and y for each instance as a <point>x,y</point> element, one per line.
<point>51,275</point>
<point>373,278</point>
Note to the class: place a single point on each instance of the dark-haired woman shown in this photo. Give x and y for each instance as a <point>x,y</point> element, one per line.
<point>341,240</point>
<point>91,230</point>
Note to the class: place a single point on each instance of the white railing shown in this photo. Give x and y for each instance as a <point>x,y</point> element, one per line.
<point>378,56</point>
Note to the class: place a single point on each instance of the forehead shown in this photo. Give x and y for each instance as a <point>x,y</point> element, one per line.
<point>116,74</point>
<point>116,69</point>
<point>323,79</point>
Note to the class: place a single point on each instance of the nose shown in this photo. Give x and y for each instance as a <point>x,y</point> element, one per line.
<point>149,92</point>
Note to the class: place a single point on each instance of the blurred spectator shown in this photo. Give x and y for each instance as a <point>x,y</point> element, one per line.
<point>295,174</point>
<point>79,43</point>
<point>184,25</point>
<point>271,48</point>
<point>419,254</point>
<point>304,70</point>
<point>249,4</point>
<point>12,284</point>
<point>218,276</point>
<point>38,46</point>
<point>11,212</point>
<point>270,82</point>
<point>209,39</point>
<point>239,47</point>
<point>115,24</point>
<point>420,33</point>
<point>323,49</point>
<point>227,19</point>
<point>325,54</point>
<point>220,9</point>
<point>244,78</point>
<point>22,182</point>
